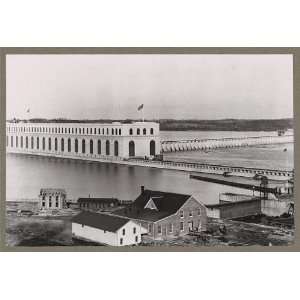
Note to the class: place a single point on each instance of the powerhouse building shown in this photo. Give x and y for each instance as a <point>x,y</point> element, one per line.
<point>114,140</point>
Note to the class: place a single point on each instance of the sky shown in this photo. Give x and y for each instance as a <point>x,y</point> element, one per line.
<point>170,86</point>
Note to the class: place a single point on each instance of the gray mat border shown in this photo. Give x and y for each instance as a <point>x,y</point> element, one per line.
<point>149,50</point>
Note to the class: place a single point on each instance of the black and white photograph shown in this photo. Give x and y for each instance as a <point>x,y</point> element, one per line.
<point>149,150</point>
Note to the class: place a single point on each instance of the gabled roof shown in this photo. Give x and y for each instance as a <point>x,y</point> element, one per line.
<point>164,201</point>
<point>167,204</point>
<point>107,222</point>
<point>98,200</point>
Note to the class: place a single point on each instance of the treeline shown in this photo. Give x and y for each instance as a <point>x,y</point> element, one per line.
<point>189,124</point>
<point>227,125</point>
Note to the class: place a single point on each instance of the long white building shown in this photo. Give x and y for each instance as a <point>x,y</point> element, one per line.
<point>115,140</point>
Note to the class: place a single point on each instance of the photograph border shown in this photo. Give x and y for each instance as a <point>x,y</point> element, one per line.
<point>147,50</point>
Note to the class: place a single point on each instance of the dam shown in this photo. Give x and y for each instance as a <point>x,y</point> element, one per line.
<point>136,143</point>
<point>210,144</point>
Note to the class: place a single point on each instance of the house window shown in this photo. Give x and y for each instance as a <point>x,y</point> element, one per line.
<point>130,131</point>
<point>150,228</point>
<point>181,226</point>
<point>43,204</point>
<point>123,231</point>
<point>181,214</point>
<point>159,231</point>
<point>56,202</point>
<point>199,212</point>
<point>151,131</point>
<point>134,230</point>
<point>170,227</point>
<point>136,238</point>
<point>121,241</point>
<point>50,201</point>
<point>190,213</point>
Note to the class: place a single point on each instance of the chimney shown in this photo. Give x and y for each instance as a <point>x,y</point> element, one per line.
<point>142,189</point>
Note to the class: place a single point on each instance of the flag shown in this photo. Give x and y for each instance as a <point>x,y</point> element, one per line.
<point>28,110</point>
<point>141,107</point>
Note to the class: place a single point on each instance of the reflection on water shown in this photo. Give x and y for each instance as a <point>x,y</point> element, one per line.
<point>25,175</point>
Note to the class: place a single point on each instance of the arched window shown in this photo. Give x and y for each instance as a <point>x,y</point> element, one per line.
<point>152,147</point>
<point>83,146</point>
<point>116,131</point>
<point>69,145</point>
<point>62,145</point>
<point>130,131</point>
<point>55,144</point>
<point>76,145</point>
<point>112,132</point>
<point>131,148</point>
<point>91,147</point>
<point>79,130</point>
<point>95,131</point>
<point>11,141</point>
<point>138,131</point>
<point>49,143</point>
<point>17,141</point>
<point>144,131</point>
<point>83,130</point>
<point>26,142</point>
<point>21,141</point>
<point>120,131</point>
<point>32,143</point>
<point>116,148</point>
<point>99,146</point>
<point>37,143</point>
<point>107,148</point>
<point>151,130</point>
<point>99,132</point>
<point>43,143</point>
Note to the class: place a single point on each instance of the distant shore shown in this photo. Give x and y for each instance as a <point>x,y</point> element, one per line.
<point>191,124</point>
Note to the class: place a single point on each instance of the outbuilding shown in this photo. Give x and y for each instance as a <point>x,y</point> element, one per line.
<point>106,229</point>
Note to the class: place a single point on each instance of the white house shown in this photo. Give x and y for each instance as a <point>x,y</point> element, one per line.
<point>106,229</point>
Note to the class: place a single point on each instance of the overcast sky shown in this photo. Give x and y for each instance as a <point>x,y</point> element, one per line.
<point>169,86</point>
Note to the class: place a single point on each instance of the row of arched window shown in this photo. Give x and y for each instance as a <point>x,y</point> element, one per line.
<point>138,131</point>
<point>61,144</point>
<point>66,130</point>
<point>79,130</point>
<point>66,145</point>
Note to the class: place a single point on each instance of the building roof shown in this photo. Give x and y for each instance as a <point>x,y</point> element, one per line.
<point>52,190</point>
<point>98,200</point>
<point>106,222</point>
<point>166,204</point>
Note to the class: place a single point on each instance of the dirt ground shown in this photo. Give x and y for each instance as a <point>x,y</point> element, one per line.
<point>41,231</point>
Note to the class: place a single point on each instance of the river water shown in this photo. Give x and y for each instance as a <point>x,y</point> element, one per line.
<point>25,175</point>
